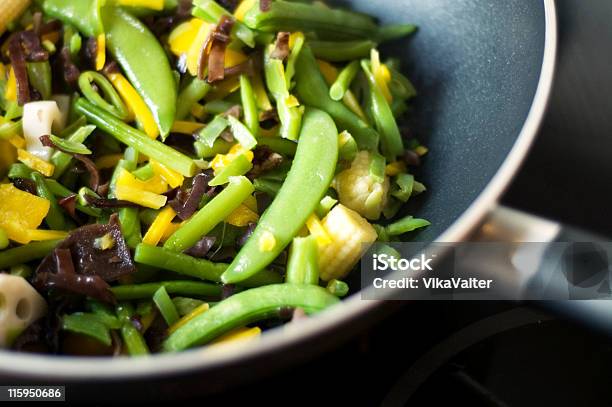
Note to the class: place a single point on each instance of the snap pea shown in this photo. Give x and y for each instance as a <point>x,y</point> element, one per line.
<point>343,82</point>
<point>111,102</point>
<point>249,105</point>
<point>26,253</point>
<point>290,116</point>
<point>190,95</point>
<point>306,183</point>
<point>19,170</point>
<point>193,267</point>
<point>339,51</point>
<point>204,220</point>
<point>313,91</point>
<point>386,125</point>
<point>39,75</point>
<point>136,139</point>
<point>303,264</point>
<point>83,14</point>
<point>87,324</point>
<point>324,22</point>
<point>55,219</point>
<point>246,307</point>
<point>136,49</point>
<point>182,287</point>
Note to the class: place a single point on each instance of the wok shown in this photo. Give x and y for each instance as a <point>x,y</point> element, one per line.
<point>483,69</point>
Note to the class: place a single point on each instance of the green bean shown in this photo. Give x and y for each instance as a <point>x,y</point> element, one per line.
<point>337,287</point>
<point>87,324</point>
<point>165,306</point>
<point>313,91</point>
<point>279,145</point>
<point>307,181</point>
<point>132,338</point>
<point>391,139</point>
<point>241,133</point>
<point>249,105</point>
<point>182,287</point>
<point>21,270</point>
<point>147,215</point>
<point>39,75</point>
<point>267,186</point>
<point>26,253</point>
<point>4,240</point>
<point>343,82</point>
<point>10,129</point>
<point>303,263</point>
<point>136,139</point>
<point>84,14</point>
<point>55,218</point>
<point>218,106</point>
<point>130,226</point>
<point>211,132</point>
<point>324,22</point>
<point>203,221</point>
<point>62,160</point>
<point>111,102</point>
<point>211,12</point>
<point>246,307</point>
<point>238,166</point>
<point>199,268</point>
<point>340,51</point>
<point>290,117</point>
<point>220,146</point>
<point>19,170</point>
<point>189,96</point>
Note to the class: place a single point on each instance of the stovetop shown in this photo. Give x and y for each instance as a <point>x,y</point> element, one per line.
<point>490,353</point>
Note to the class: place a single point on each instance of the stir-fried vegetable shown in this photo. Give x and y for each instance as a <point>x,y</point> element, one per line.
<point>174,176</point>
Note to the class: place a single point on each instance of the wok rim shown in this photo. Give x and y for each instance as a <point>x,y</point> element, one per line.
<point>80,369</point>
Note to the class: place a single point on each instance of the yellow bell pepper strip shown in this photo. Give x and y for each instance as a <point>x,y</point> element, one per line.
<point>159,226</point>
<point>157,5</point>
<point>135,103</point>
<point>40,235</point>
<point>136,49</point>
<point>188,128</point>
<point>186,318</point>
<point>140,197</point>
<point>242,216</point>
<point>173,178</point>
<point>155,184</point>
<point>10,93</point>
<point>223,160</point>
<point>316,229</point>
<point>306,183</point>
<point>381,73</point>
<point>10,10</point>
<point>20,211</point>
<point>195,49</point>
<point>243,7</point>
<point>238,335</point>
<point>183,36</point>
<point>35,163</point>
<point>100,51</point>
<point>203,221</point>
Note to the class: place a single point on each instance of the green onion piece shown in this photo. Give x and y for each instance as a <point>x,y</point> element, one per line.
<point>184,287</point>
<point>292,60</point>
<point>249,105</point>
<point>404,225</point>
<point>111,102</point>
<point>242,133</point>
<point>337,288</point>
<point>303,263</point>
<point>165,305</point>
<point>279,145</point>
<point>220,146</point>
<point>405,182</point>
<point>70,146</point>
<point>218,106</point>
<point>343,81</point>
<point>104,312</point>
<point>209,134</point>
<point>338,51</point>
<point>238,166</point>
<point>87,324</point>
<point>132,338</point>
<point>189,96</point>
<point>144,173</point>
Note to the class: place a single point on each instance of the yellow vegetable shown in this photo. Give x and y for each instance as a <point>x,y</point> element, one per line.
<point>140,197</point>
<point>172,227</point>
<point>158,227</point>
<point>394,168</point>
<point>222,160</point>
<point>20,212</point>
<point>8,155</point>
<point>186,318</point>
<point>35,163</point>
<point>317,230</point>
<point>243,7</point>
<point>10,10</point>
<point>150,4</point>
<point>242,216</point>
<point>135,103</point>
<point>382,76</point>
<point>155,184</point>
<point>173,178</point>
<point>17,141</point>
<point>261,96</point>
<point>184,35</point>
<point>351,235</point>
<point>186,127</point>
<point>100,52</point>
<point>10,93</point>
<point>195,48</point>
<point>238,335</point>
<point>39,234</point>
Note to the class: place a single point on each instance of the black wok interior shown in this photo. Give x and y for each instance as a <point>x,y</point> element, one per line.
<point>476,65</point>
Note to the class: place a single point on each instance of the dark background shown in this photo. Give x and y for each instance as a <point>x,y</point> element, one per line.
<point>566,177</point>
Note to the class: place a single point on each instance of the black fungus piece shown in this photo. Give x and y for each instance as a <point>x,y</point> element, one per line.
<point>219,38</point>
<point>202,247</point>
<point>281,47</point>
<point>185,209</point>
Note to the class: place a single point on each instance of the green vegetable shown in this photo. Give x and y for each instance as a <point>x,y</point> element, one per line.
<point>189,96</point>
<point>10,129</point>
<point>183,287</point>
<point>55,218</point>
<point>83,14</point>
<point>247,307</point>
<point>4,240</point>
<point>343,82</point>
<point>193,267</point>
<point>279,145</point>
<point>62,160</point>
<point>249,105</point>
<point>136,49</point>
<point>70,146</point>
<point>238,166</point>
<point>203,221</point>
<point>405,225</point>
<point>267,186</point>
<point>303,263</point>
<point>337,287</point>
<point>211,12</point>
<point>313,91</point>
<point>310,175</point>
<point>136,139</point>
<point>87,324</point>
<point>26,253</point>
<point>185,305</point>
<point>209,134</point>
<point>111,102</point>
<point>104,312</point>
<point>21,270</point>
<point>290,116</point>
<point>39,75</point>
<point>132,338</point>
<point>241,133</point>
<point>339,51</point>
<point>166,306</point>
<point>405,182</point>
